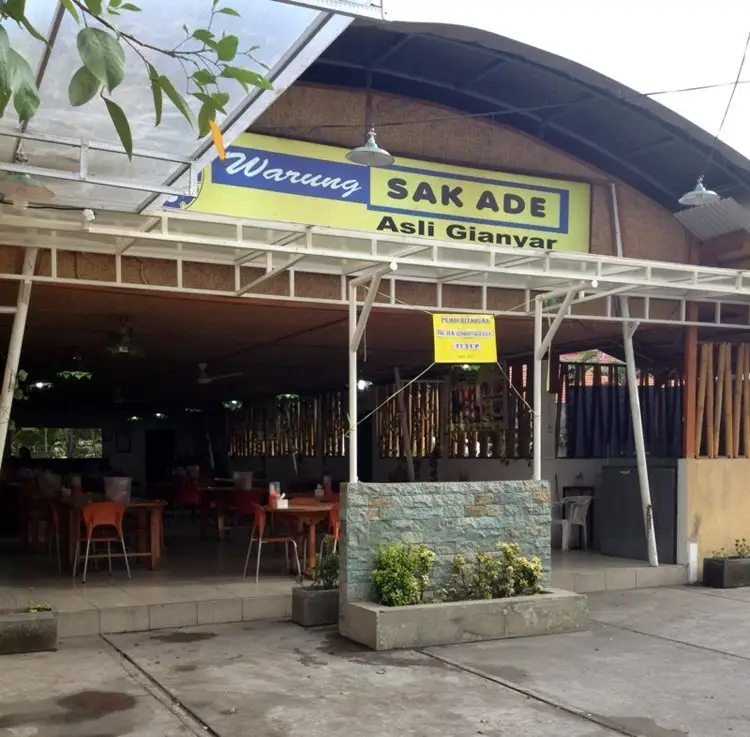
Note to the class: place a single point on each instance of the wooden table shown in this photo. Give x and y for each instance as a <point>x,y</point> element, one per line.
<point>150,513</point>
<point>307,514</point>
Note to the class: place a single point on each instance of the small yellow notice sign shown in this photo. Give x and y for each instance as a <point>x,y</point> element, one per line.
<point>464,338</point>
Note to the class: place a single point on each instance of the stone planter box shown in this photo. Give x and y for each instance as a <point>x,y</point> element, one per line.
<point>426,625</point>
<point>27,632</point>
<point>726,573</point>
<point>315,607</point>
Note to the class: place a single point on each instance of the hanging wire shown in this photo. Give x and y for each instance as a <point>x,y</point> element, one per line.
<point>729,105</point>
<point>518,110</point>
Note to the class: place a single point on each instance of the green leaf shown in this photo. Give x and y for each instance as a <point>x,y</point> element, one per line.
<point>131,7</point>
<point>83,87</point>
<point>228,11</point>
<point>217,101</point>
<point>226,48</point>
<point>203,77</point>
<point>114,3</point>
<point>245,77</point>
<point>23,86</point>
<point>204,35</point>
<point>94,6</point>
<point>205,115</point>
<point>121,124</point>
<point>15,9</point>
<point>6,71</point>
<point>156,92</point>
<point>177,99</point>
<point>68,5</point>
<point>31,30</point>
<point>102,55</point>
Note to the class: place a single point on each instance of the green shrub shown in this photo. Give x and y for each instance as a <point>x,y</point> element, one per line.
<point>493,576</point>
<point>402,574</point>
<point>326,572</point>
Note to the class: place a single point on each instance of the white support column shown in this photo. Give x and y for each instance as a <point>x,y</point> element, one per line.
<point>537,419</point>
<point>14,347</point>
<point>628,329</point>
<point>352,384</point>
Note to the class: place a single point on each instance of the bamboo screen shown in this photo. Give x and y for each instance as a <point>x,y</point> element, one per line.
<point>277,427</point>
<point>422,407</point>
<point>451,411</point>
<point>472,436</point>
<point>722,418</point>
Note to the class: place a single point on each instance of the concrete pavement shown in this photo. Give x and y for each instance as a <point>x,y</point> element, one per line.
<point>656,663</point>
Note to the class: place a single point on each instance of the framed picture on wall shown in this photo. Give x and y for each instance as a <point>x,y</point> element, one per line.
<point>122,441</point>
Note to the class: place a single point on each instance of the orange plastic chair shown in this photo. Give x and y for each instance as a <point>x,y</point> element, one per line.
<point>256,535</point>
<point>97,516</point>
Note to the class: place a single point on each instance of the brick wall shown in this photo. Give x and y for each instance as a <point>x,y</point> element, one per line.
<point>449,518</point>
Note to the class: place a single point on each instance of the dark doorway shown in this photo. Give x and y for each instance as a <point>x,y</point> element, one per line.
<point>365,431</point>
<point>160,454</point>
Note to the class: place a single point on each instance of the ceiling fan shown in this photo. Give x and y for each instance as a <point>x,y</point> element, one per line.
<point>122,342</point>
<point>204,378</point>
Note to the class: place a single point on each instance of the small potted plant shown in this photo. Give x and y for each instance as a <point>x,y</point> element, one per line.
<point>29,630</point>
<point>316,602</point>
<point>728,569</point>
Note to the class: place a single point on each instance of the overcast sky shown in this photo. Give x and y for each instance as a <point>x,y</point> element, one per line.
<point>648,45</point>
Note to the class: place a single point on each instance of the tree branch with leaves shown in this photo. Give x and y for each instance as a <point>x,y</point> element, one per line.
<point>208,60</point>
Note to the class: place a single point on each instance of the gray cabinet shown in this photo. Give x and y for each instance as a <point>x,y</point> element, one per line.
<point>618,517</point>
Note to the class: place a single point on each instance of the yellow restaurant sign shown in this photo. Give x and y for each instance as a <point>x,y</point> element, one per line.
<point>294,182</point>
<point>464,338</point>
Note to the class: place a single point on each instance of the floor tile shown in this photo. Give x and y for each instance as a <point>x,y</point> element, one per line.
<point>164,616</point>
<point>221,611</point>
<point>78,624</point>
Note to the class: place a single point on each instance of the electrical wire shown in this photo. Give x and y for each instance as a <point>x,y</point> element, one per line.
<point>729,105</point>
<point>514,111</point>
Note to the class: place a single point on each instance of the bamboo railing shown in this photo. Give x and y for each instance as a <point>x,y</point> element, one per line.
<point>722,418</point>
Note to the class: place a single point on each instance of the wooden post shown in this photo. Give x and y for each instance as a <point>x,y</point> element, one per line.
<point>701,408</point>
<point>737,412</point>
<point>691,435</point>
<point>710,390</point>
<point>728,419</point>
<point>719,398</point>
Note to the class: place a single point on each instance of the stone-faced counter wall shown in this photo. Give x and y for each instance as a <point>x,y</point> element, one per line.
<point>449,518</point>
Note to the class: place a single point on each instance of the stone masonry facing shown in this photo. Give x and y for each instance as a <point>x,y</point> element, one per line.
<point>449,518</point>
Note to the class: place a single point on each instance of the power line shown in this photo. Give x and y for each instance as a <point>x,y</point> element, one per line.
<point>521,110</point>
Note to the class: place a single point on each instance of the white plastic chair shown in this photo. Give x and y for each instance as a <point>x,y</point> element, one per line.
<point>575,514</point>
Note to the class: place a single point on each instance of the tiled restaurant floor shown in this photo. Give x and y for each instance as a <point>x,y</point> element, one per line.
<point>201,583</point>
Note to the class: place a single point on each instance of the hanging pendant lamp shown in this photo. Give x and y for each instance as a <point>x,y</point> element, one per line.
<point>370,154</point>
<point>699,196</point>
<point>20,188</point>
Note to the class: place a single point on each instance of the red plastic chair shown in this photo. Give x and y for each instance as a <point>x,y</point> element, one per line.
<point>256,535</point>
<point>98,516</point>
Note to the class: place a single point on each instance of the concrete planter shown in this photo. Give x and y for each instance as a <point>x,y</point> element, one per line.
<point>27,632</point>
<point>315,607</point>
<point>726,573</point>
<point>426,625</point>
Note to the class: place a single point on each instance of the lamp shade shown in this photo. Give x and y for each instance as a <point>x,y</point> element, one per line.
<point>699,196</point>
<point>18,187</point>
<point>370,154</point>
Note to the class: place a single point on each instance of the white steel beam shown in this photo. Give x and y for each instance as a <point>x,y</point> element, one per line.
<point>537,409</point>
<point>352,386</point>
<point>547,341</point>
<point>628,329</point>
<point>14,347</point>
<point>268,275</point>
